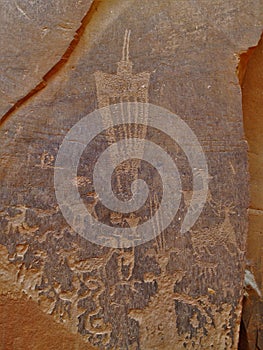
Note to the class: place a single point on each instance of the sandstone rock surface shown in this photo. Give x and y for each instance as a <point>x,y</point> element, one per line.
<point>25,326</point>
<point>180,291</point>
<point>252,91</point>
<point>34,37</point>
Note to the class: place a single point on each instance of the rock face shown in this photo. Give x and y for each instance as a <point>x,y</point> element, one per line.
<point>178,290</point>
<point>28,326</point>
<point>34,38</point>
<point>252,90</point>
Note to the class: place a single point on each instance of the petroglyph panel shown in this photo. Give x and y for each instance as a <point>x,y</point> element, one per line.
<point>178,290</point>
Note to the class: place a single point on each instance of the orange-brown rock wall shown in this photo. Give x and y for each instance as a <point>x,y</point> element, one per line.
<point>252,92</point>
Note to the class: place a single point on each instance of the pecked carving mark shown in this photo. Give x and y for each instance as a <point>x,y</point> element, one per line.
<point>95,291</point>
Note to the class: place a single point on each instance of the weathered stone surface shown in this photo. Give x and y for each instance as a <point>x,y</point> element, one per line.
<point>30,328</point>
<point>34,37</point>
<point>252,91</point>
<point>178,291</point>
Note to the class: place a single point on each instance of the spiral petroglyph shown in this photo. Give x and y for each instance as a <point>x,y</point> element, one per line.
<point>133,146</point>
